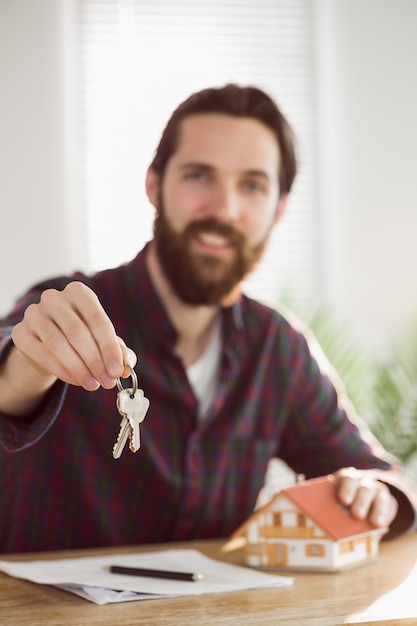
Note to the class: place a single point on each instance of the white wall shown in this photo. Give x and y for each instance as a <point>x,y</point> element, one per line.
<point>366,51</point>
<point>39,188</point>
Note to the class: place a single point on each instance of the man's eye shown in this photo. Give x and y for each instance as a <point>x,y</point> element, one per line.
<point>196,175</point>
<point>254,185</point>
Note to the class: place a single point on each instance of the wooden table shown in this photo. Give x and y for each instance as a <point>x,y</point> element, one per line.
<point>383,593</point>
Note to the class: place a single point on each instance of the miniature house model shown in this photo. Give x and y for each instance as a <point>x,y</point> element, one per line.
<point>303,527</point>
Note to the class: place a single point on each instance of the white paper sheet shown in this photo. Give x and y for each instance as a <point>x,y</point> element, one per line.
<point>89,578</point>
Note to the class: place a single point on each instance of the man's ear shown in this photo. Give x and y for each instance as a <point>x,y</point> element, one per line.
<point>152,186</point>
<point>281,208</point>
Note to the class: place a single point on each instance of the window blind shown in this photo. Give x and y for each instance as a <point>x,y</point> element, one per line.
<point>139,59</point>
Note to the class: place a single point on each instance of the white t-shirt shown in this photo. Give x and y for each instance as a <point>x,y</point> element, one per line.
<point>203,374</point>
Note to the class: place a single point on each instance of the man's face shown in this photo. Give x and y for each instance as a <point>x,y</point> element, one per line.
<point>218,201</point>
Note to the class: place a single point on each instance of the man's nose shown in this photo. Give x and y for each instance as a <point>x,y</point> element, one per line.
<point>225,203</point>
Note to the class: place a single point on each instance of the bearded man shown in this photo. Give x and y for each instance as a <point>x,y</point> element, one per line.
<point>231,382</point>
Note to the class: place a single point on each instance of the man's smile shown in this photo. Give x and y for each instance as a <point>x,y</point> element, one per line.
<point>213,240</point>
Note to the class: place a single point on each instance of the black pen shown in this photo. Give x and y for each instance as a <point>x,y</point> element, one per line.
<point>154,573</point>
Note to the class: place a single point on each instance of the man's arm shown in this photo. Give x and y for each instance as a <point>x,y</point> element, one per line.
<point>22,385</point>
<point>325,435</point>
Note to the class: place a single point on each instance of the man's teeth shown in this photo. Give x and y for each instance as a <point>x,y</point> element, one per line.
<point>213,239</point>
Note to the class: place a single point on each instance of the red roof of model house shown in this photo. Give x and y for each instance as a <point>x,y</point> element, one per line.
<point>317,499</point>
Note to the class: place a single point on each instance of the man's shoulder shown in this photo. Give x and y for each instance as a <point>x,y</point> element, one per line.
<point>276,325</point>
<point>279,316</point>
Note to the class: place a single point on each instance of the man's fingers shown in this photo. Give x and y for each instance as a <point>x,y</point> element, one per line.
<point>356,492</point>
<point>69,335</point>
<point>129,358</point>
<point>57,340</point>
<point>102,354</point>
<point>44,362</point>
<point>347,484</point>
<point>366,497</point>
<point>384,508</point>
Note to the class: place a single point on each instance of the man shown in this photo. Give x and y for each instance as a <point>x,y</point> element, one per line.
<point>231,383</point>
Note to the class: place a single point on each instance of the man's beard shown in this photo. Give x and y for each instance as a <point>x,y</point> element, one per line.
<point>202,279</point>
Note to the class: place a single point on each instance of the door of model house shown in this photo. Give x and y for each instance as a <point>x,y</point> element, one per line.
<point>277,554</point>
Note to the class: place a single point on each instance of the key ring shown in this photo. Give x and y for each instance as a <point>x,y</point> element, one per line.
<point>134,380</point>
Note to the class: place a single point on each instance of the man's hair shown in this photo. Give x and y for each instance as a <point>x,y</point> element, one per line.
<point>238,102</point>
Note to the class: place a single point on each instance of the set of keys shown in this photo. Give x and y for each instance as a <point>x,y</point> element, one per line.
<point>132,406</point>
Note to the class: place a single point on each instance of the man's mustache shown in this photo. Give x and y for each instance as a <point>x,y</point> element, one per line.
<point>215,226</point>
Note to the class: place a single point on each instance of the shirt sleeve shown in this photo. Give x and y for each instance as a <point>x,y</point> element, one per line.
<point>17,434</point>
<point>324,433</point>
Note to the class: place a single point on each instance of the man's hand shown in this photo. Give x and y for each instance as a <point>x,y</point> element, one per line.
<point>69,336</point>
<point>365,497</point>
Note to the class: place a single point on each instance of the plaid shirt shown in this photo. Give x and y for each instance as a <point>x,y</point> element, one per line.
<point>60,486</point>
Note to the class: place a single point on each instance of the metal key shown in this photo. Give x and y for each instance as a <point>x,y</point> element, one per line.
<point>124,434</point>
<point>134,407</point>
